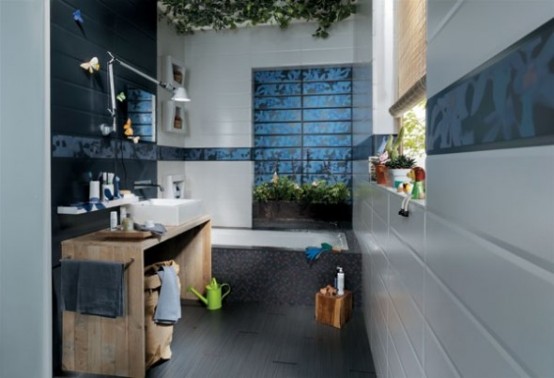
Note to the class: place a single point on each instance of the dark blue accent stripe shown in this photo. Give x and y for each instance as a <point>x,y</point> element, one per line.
<point>67,146</point>
<point>506,102</point>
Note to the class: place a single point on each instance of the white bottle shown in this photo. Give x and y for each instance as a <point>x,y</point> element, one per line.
<point>113,220</point>
<point>340,281</point>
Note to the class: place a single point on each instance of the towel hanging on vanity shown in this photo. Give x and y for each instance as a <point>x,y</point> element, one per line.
<point>93,287</point>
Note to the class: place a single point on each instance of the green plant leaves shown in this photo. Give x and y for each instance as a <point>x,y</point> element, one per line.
<point>190,15</point>
<point>285,189</point>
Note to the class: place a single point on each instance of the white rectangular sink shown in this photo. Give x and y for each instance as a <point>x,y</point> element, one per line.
<point>167,211</point>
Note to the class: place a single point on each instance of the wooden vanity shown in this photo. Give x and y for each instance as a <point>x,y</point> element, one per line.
<point>99,345</point>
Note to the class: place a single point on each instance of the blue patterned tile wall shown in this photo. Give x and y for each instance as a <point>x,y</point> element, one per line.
<point>506,102</point>
<point>303,124</point>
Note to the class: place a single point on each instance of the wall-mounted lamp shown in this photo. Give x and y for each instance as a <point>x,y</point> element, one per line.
<point>179,93</point>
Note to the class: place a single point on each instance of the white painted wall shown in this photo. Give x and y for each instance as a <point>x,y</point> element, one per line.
<point>219,67</point>
<point>465,286</point>
<point>25,266</point>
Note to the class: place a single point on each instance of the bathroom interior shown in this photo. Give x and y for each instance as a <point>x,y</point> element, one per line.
<point>462,287</point>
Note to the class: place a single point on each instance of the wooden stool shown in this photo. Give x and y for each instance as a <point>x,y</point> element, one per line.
<point>333,310</point>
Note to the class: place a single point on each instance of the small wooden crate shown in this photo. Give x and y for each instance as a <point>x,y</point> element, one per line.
<point>333,310</point>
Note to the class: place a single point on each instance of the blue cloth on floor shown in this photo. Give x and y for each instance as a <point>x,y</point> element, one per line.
<point>93,287</point>
<point>168,310</point>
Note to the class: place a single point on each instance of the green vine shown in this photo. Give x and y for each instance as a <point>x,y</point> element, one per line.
<point>190,15</point>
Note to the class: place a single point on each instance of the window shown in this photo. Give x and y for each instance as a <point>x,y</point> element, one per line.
<point>411,48</point>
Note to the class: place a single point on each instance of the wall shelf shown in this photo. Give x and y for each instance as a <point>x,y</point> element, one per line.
<point>82,208</point>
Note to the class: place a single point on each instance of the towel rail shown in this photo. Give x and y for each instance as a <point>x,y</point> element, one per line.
<point>125,266</point>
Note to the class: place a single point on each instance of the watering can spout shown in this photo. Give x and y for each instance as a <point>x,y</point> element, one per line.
<point>195,292</point>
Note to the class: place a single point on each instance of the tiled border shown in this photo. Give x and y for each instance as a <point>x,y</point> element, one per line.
<point>504,103</point>
<point>66,146</point>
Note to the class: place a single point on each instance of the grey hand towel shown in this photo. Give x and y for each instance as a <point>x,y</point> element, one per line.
<point>93,287</point>
<point>158,229</point>
<point>168,310</point>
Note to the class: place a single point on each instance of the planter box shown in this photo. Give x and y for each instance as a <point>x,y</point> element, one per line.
<point>287,210</point>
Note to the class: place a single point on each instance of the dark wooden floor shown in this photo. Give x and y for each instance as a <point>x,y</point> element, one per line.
<point>251,340</point>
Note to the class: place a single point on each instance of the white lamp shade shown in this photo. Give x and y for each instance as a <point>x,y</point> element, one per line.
<point>180,95</point>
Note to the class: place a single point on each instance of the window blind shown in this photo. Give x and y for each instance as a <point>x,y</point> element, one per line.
<point>411,48</point>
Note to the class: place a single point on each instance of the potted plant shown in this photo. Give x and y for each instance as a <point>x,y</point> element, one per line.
<point>399,167</point>
<point>381,171</point>
<point>282,198</point>
<point>391,152</point>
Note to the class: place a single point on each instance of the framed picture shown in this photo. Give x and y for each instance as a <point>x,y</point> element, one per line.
<point>173,71</point>
<point>174,117</point>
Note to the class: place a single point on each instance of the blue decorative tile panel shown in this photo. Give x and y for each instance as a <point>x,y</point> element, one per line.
<point>339,87</point>
<point>344,140</point>
<point>282,167</point>
<point>327,74</point>
<point>332,101</point>
<point>327,127</point>
<point>277,128</point>
<point>334,114</point>
<point>277,115</point>
<point>277,154</point>
<point>235,154</point>
<point>287,89</point>
<point>278,102</point>
<point>277,76</point>
<point>329,153</point>
<point>65,146</point>
<point>167,153</point>
<point>194,154</point>
<point>277,141</point>
<point>507,102</point>
<point>307,134</point>
<point>327,167</point>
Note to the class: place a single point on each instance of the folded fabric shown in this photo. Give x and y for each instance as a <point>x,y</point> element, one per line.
<point>93,287</point>
<point>168,310</point>
<point>158,229</point>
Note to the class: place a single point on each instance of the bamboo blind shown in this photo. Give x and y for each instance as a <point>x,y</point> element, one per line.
<point>411,47</point>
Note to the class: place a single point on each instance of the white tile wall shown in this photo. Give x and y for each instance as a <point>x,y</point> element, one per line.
<point>219,67</point>
<point>464,287</point>
<point>488,309</point>
<point>226,189</point>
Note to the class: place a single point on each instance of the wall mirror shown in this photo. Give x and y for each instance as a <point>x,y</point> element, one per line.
<point>141,109</point>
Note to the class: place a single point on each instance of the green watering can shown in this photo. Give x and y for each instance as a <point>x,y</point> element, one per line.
<point>213,294</point>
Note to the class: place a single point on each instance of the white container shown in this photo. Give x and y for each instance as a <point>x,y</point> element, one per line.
<point>113,220</point>
<point>94,191</point>
<point>340,282</point>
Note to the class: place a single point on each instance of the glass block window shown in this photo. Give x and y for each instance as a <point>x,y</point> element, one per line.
<point>303,124</point>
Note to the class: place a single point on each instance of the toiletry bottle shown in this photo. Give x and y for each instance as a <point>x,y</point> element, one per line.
<point>122,215</point>
<point>127,223</point>
<point>113,220</point>
<point>340,282</point>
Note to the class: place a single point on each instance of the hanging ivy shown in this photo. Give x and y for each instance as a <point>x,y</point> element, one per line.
<point>191,15</point>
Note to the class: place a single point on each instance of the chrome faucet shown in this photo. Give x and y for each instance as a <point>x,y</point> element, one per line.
<point>146,184</point>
